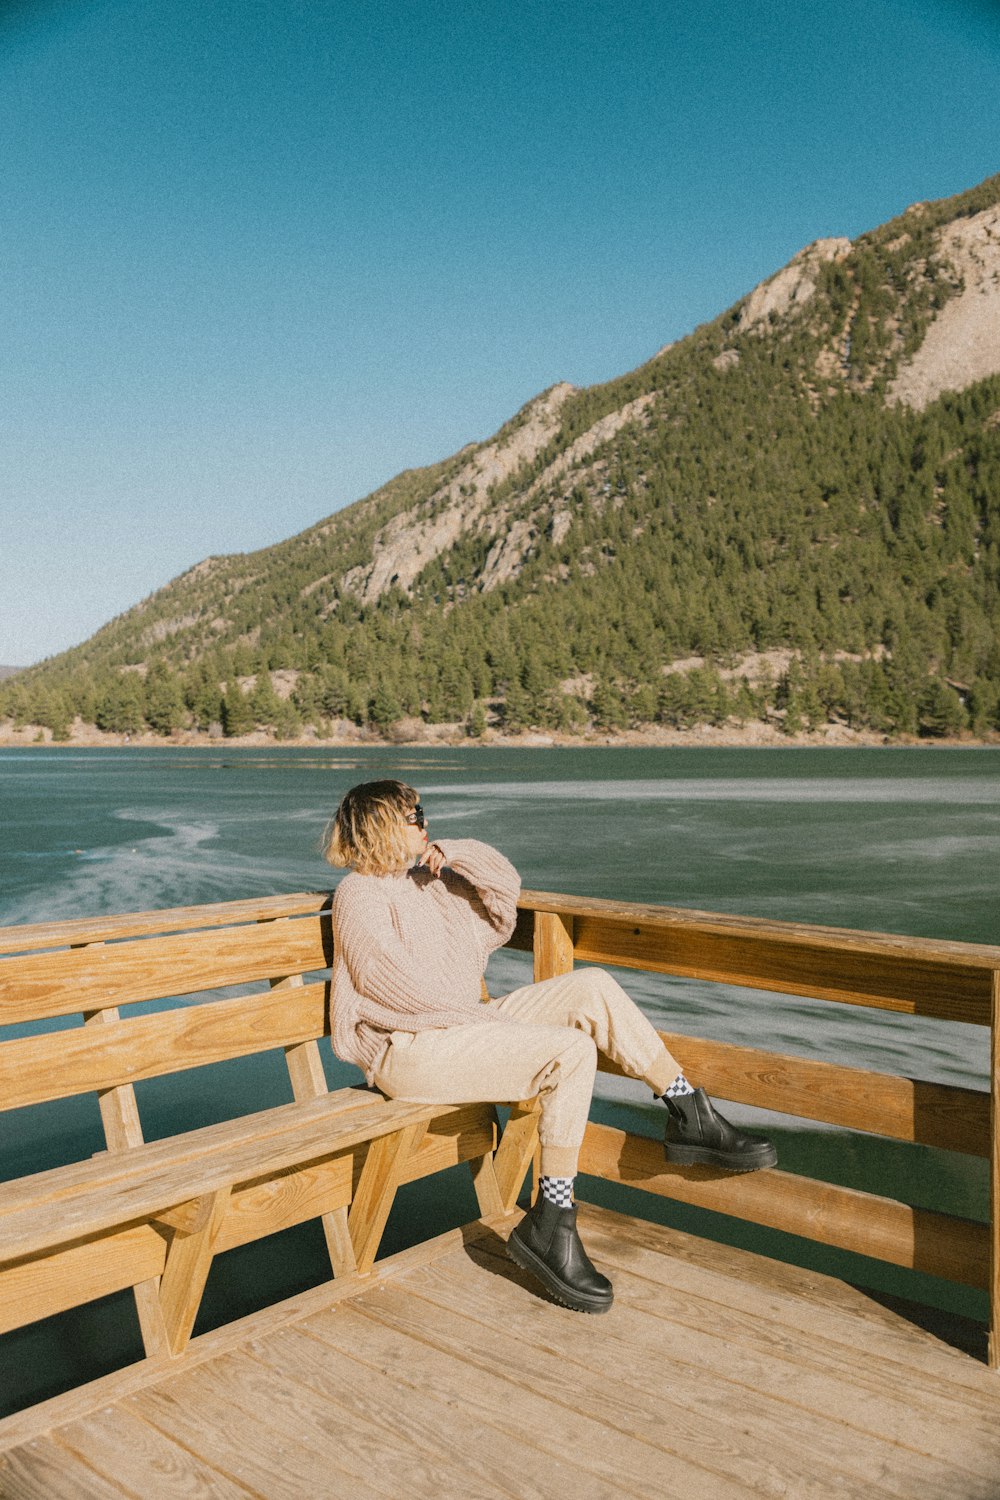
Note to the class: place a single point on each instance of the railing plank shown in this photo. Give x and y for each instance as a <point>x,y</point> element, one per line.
<point>30,937</point>
<point>920,1239</point>
<point>906,1109</point>
<point>67,981</point>
<point>36,1068</point>
<point>893,981</point>
<point>791,934</point>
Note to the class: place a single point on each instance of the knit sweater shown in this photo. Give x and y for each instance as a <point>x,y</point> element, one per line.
<point>410,949</point>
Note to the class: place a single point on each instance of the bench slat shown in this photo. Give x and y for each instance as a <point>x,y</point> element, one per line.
<point>93,978</point>
<point>36,1068</point>
<point>47,1284</point>
<point>90,1197</point>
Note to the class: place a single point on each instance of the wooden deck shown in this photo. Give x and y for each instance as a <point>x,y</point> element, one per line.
<point>445,1373</point>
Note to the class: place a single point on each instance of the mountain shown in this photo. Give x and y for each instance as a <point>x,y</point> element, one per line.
<point>791,515</point>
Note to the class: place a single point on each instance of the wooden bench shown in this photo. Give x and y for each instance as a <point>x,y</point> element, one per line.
<point>152,1216</point>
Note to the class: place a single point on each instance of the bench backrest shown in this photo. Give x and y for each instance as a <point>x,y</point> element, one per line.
<point>95,969</point>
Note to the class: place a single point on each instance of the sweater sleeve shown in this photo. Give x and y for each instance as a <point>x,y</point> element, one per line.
<point>379,965</point>
<point>492,876</point>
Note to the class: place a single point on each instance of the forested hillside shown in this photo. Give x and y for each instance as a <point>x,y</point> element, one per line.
<point>793,483</point>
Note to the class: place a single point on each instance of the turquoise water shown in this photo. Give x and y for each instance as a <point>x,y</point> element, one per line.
<point>897,840</point>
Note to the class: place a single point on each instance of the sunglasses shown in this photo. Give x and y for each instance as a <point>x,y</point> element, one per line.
<point>416,817</point>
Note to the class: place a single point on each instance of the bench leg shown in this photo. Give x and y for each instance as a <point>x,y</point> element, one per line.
<point>305,1070</point>
<point>516,1152</point>
<point>484,1180</point>
<point>189,1258</point>
<point>376,1190</point>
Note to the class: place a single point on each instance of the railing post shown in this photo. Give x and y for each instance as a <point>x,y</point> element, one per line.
<point>553,944</point>
<point>993,1354</point>
<point>552,948</point>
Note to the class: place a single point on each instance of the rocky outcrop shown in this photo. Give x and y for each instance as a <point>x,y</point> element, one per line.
<point>962,344</point>
<point>411,540</point>
<point>792,287</point>
<point>407,543</point>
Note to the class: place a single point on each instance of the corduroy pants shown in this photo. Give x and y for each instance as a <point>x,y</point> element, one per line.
<point>546,1044</point>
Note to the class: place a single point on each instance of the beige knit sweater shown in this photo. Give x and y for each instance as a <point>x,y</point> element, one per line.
<point>410,949</point>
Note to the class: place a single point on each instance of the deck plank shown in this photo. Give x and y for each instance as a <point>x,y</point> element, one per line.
<point>371,1449</point>
<point>717,1375</point>
<point>42,1470</point>
<point>801,1294</point>
<point>496,1398</point>
<point>409,1401</point>
<point>857,1324</point>
<point>710,1380</point>
<point>875,1420</point>
<point>585,1372</point>
<point>129,1452</point>
<point>270,1461</point>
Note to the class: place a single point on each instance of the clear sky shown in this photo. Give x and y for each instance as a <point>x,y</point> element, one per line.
<point>257,256</point>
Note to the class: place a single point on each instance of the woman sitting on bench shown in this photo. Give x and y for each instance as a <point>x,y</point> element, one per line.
<point>414,924</point>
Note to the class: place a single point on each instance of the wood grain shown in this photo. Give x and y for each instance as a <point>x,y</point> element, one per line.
<point>66,981</point>
<point>888,980</point>
<point>128,1451</point>
<point>44,1284</point>
<point>189,1257</point>
<point>31,937</point>
<point>906,1109</point>
<point>36,1068</point>
<point>89,1198</point>
<point>956,1249</point>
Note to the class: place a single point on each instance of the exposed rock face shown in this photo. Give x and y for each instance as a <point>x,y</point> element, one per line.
<point>404,547</point>
<point>410,541</point>
<point>962,345</point>
<point>792,287</point>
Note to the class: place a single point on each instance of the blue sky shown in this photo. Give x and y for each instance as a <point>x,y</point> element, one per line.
<point>257,256</point>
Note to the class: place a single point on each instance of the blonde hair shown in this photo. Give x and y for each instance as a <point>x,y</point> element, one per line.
<point>367,833</point>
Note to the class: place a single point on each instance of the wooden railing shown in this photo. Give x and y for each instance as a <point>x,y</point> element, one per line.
<point>912,976</point>
<point>75,1233</point>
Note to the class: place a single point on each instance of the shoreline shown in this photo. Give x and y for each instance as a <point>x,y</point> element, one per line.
<point>753,736</point>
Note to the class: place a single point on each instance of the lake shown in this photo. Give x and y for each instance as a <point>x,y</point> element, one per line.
<point>902,840</point>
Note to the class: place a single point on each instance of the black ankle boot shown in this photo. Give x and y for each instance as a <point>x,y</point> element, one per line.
<point>696,1132</point>
<point>547,1244</point>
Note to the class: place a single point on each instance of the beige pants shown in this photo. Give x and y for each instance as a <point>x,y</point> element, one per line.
<point>547,1045</point>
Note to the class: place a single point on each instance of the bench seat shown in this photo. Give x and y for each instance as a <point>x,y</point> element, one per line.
<point>340,1157</point>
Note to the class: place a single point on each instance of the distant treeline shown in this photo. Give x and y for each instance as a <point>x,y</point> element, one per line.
<point>768,498</point>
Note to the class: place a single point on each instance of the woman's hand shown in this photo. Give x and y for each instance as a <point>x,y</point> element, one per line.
<point>433,859</point>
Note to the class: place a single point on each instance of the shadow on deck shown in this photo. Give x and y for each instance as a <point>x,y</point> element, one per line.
<point>446,1373</point>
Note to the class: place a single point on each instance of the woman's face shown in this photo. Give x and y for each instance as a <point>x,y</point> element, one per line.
<point>416,837</point>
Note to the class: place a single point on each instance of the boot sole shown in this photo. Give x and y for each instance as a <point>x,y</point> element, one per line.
<point>554,1285</point>
<point>689,1156</point>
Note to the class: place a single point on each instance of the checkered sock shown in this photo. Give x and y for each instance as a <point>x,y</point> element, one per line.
<point>678,1088</point>
<point>558,1190</point>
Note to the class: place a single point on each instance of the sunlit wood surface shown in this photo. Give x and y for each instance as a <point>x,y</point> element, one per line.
<point>447,1374</point>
